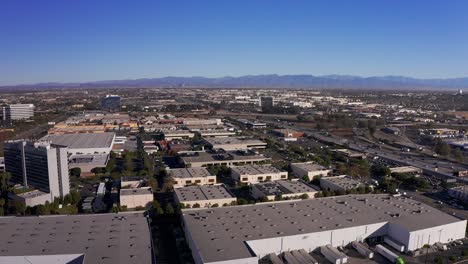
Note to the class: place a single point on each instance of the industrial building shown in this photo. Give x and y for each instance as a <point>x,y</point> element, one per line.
<point>234,143</point>
<point>39,165</point>
<point>295,188</point>
<point>309,169</point>
<point>406,169</point>
<point>257,173</point>
<point>339,183</point>
<point>227,158</point>
<point>122,238</point>
<point>178,134</point>
<point>84,143</point>
<point>215,133</point>
<point>204,196</point>
<point>245,234</point>
<point>191,176</point>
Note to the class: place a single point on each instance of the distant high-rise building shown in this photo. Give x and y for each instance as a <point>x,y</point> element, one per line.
<point>17,112</point>
<point>266,103</point>
<point>111,103</point>
<point>38,165</point>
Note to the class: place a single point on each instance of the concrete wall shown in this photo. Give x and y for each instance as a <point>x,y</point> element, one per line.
<point>133,201</point>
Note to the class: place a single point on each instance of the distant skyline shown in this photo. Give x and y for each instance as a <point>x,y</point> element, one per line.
<point>82,41</point>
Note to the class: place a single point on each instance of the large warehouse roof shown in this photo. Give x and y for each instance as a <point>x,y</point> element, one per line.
<point>220,233</point>
<point>104,238</point>
<point>82,140</point>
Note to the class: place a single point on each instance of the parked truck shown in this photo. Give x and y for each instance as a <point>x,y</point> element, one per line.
<point>394,244</point>
<point>394,258</point>
<point>362,249</point>
<point>333,255</point>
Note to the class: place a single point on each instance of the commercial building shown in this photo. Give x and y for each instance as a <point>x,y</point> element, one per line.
<point>122,238</point>
<point>245,234</point>
<point>136,197</point>
<point>295,188</point>
<point>204,196</point>
<point>309,169</point>
<point>227,158</point>
<point>111,103</point>
<point>252,124</point>
<point>38,165</point>
<point>339,183</point>
<point>266,103</point>
<point>191,176</point>
<point>200,122</point>
<point>84,143</point>
<point>257,173</point>
<point>18,112</point>
<point>31,198</point>
<point>234,143</point>
<point>288,134</point>
<point>350,153</point>
<point>133,194</point>
<point>87,162</point>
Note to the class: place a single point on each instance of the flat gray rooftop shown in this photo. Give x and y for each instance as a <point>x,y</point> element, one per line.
<point>82,140</point>
<point>255,170</point>
<point>345,182</point>
<point>136,191</point>
<point>309,166</point>
<point>202,193</point>
<point>284,187</point>
<point>189,173</point>
<point>220,233</point>
<point>105,238</point>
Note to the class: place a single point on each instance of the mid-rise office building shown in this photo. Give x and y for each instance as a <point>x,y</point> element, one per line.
<point>266,103</point>
<point>39,165</point>
<point>17,112</point>
<point>110,103</point>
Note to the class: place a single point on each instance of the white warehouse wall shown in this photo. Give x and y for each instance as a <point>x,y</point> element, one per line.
<point>311,241</point>
<point>443,234</point>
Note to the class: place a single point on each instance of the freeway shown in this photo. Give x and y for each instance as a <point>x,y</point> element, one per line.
<point>430,165</point>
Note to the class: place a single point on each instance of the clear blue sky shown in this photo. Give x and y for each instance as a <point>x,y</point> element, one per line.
<point>81,40</point>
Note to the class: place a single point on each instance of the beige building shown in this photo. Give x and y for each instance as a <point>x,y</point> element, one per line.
<point>133,195</point>
<point>191,176</point>
<point>257,173</point>
<point>204,196</point>
<point>136,197</point>
<point>309,169</point>
<point>32,198</point>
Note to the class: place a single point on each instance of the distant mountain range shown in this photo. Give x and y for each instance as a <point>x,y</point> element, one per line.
<point>269,81</point>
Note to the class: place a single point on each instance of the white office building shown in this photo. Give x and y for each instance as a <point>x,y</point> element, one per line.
<point>39,165</point>
<point>18,112</point>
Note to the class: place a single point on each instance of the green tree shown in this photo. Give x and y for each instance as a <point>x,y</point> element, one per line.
<point>76,172</point>
<point>169,209</point>
<point>442,148</point>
